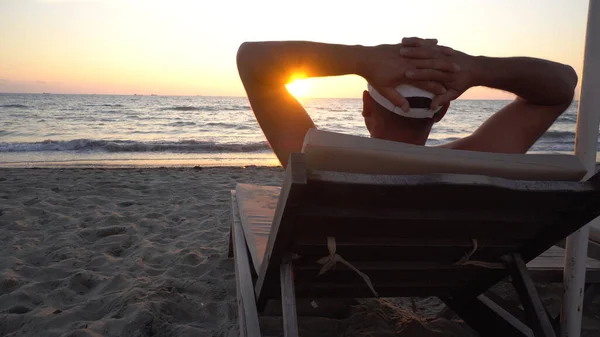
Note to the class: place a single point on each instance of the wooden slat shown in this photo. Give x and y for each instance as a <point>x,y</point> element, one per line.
<point>594,249</point>
<point>257,208</point>
<point>403,254</point>
<point>544,268</point>
<point>390,241</point>
<point>444,191</point>
<point>283,224</point>
<point>363,222</point>
<point>406,267</point>
<point>247,313</point>
<point>433,212</point>
<point>316,290</point>
<point>389,248</point>
<point>361,290</point>
<point>343,275</point>
<point>450,180</point>
<point>488,318</point>
<point>437,228</point>
<point>548,267</point>
<point>534,309</point>
<point>288,298</point>
<point>557,231</point>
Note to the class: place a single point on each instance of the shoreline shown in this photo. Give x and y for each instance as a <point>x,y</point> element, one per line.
<point>164,160</point>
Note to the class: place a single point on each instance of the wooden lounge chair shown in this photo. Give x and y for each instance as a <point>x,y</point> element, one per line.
<point>400,220</point>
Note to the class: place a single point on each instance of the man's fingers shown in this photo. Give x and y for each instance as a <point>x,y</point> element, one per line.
<point>393,96</point>
<point>420,52</point>
<point>440,100</point>
<point>432,87</point>
<point>437,64</point>
<point>425,51</point>
<point>418,42</point>
<point>430,75</point>
<point>446,50</point>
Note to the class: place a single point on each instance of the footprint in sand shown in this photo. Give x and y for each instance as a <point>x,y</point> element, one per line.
<point>99,233</point>
<point>8,285</point>
<point>108,231</point>
<point>83,282</point>
<point>153,215</point>
<point>19,310</point>
<point>32,201</point>
<point>126,203</point>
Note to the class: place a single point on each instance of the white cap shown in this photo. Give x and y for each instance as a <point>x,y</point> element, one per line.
<point>406,91</point>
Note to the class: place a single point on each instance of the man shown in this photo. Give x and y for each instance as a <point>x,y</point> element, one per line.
<point>544,90</point>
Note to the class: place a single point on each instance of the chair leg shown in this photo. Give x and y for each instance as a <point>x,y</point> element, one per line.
<point>288,299</point>
<point>247,313</point>
<point>488,318</point>
<point>537,318</point>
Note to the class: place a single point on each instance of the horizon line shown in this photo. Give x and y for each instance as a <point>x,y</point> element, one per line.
<point>198,95</point>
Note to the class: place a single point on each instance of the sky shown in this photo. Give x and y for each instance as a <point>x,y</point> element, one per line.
<point>188,47</point>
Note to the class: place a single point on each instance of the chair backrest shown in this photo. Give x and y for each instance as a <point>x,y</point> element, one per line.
<point>330,151</point>
<point>405,215</point>
<point>408,233</point>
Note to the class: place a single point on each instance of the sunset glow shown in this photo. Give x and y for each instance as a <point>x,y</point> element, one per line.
<point>300,87</point>
<point>187,47</point>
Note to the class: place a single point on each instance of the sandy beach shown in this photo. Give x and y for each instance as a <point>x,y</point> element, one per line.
<point>143,252</point>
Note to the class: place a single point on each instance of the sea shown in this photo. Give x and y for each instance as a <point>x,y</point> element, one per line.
<point>53,130</point>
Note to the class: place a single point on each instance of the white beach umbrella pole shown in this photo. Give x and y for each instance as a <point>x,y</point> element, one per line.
<point>586,141</point>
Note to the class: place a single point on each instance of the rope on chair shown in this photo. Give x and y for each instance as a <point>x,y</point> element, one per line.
<point>330,261</point>
<point>466,260</point>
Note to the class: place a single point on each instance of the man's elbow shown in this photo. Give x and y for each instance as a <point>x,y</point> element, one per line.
<point>244,57</point>
<point>568,81</point>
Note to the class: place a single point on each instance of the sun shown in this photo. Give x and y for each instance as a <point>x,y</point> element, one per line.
<point>299,88</point>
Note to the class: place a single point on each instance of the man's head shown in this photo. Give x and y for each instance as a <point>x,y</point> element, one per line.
<point>385,124</point>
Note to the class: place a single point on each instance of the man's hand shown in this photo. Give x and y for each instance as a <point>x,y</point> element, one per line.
<point>386,66</point>
<point>455,85</point>
<point>544,90</point>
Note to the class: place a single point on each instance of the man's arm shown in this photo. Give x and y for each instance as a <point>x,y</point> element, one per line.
<point>544,91</point>
<point>266,67</point>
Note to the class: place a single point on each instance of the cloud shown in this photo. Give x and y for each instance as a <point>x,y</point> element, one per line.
<point>4,80</point>
<point>41,82</point>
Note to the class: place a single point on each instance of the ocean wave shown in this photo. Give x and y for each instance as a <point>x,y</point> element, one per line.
<point>113,146</point>
<point>181,123</point>
<point>553,134</point>
<point>182,108</point>
<point>439,141</point>
<point>20,106</point>
<point>107,105</point>
<point>207,108</point>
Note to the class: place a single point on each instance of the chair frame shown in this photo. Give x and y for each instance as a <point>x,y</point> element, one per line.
<point>478,310</point>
